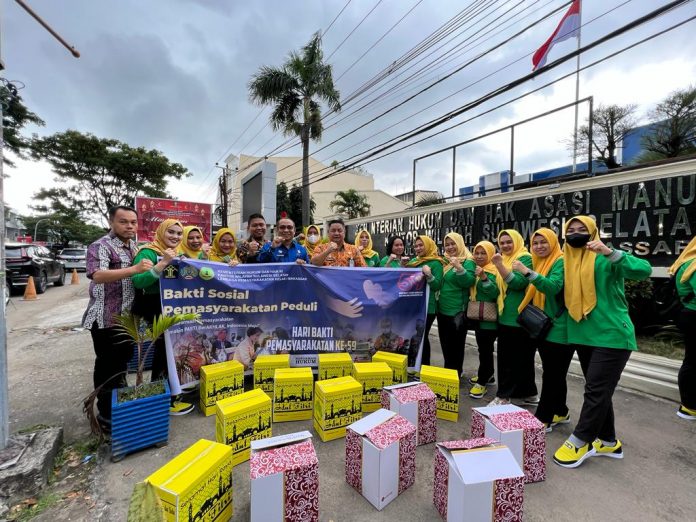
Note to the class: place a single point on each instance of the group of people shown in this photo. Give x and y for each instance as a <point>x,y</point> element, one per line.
<point>579,287</point>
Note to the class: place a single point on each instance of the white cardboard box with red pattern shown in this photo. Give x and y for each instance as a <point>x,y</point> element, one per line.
<point>284,479</point>
<point>519,430</point>
<point>381,456</point>
<point>417,403</point>
<point>477,480</point>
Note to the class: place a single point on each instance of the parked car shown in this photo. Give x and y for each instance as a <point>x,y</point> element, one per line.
<point>24,260</point>
<point>74,258</point>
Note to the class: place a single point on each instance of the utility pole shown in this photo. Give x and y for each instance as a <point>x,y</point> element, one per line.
<point>222,183</point>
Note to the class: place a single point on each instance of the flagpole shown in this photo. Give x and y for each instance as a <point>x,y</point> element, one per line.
<point>577,96</point>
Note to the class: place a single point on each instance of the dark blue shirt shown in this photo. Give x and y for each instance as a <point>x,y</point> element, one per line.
<point>283,254</point>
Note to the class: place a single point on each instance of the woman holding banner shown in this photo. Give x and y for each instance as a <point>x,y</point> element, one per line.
<point>147,302</point>
<point>544,292</point>
<point>485,290</point>
<point>515,348</point>
<point>363,242</point>
<point>395,257</point>
<point>453,296</point>
<point>431,264</point>
<point>192,243</point>
<point>311,238</point>
<point>224,248</point>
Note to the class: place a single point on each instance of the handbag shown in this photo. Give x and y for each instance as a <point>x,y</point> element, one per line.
<point>535,321</point>
<point>482,311</point>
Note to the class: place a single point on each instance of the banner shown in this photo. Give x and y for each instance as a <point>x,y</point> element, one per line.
<point>152,211</point>
<point>248,310</point>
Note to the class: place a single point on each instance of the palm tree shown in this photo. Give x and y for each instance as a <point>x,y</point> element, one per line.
<point>430,198</point>
<point>350,203</point>
<point>294,90</point>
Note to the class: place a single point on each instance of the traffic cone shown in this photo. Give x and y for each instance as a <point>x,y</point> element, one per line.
<point>30,291</point>
<point>74,280</point>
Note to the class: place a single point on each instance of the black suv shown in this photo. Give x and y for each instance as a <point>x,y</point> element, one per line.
<point>24,260</point>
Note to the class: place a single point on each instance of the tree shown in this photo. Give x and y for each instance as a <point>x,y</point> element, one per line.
<point>674,133</point>
<point>351,204</point>
<point>290,201</point>
<point>430,198</point>
<point>610,124</point>
<point>99,173</point>
<point>295,90</point>
<point>15,116</point>
<point>62,226</point>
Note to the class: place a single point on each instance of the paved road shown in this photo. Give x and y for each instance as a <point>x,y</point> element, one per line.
<point>50,371</point>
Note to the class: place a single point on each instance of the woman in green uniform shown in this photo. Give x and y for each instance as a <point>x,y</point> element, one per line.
<point>516,376</point>
<point>431,264</point>
<point>363,242</point>
<point>453,288</point>
<point>484,290</point>
<point>544,292</point>
<point>684,273</point>
<point>147,302</point>
<point>395,257</point>
<point>600,330</point>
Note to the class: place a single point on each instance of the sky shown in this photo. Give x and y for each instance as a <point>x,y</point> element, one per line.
<point>173,76</point>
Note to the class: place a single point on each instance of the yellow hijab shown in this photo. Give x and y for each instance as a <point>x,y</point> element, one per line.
<point>367,251</point>
<point>429,253</point>
<point>462,252</point>
<point>489,267</point>
<point>542,266</point>
<point>518,250</point>
<point>309,246</point>
<point>215,254</point>
<point>183,246</point>
<point>579,291</point>
<point>158,244</point>
<point>688,254</point>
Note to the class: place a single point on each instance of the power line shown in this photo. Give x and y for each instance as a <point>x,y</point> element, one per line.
<point>492,94</point>
<point>335,18</point>
<point>354,29</point>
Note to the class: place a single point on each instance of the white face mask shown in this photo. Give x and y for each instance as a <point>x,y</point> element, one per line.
<point>313,238</point>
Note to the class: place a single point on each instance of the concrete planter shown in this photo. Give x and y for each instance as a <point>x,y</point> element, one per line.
<point>139,424</point>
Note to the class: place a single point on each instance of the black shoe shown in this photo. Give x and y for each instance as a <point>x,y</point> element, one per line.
<point>104,424</point>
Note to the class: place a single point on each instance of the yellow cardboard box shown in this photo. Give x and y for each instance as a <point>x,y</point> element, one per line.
<point>292,394</point>
<point>241,419</point>
<point>445,384</point>
<point>372,376</point>
<point>337,404</point>
<point>196,484</point>
<point>334,365</point>
<point>397,362</point>
<point>219,381</point>
<point>264,370</point>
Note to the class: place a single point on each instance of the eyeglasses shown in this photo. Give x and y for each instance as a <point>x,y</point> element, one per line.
<point>283,227</point>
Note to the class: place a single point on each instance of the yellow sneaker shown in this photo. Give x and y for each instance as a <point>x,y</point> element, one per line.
<point>477,391</point>
<point>686,413</point>
<point>615,451</point>
<point>180,408</point>
<point>570,456</point>
<point>558,419</point>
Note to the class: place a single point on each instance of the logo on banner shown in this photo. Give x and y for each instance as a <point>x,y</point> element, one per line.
<point>188,272</point>
<point>206,273</point>
<point>410,282</point>
<point>170,272</point>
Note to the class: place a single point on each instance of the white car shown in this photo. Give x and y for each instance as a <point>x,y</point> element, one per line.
<point>74,258</point>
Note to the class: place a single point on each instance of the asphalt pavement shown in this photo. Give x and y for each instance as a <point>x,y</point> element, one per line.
<point>50,364</point>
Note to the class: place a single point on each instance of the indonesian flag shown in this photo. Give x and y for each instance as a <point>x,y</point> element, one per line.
<point>568,28</point>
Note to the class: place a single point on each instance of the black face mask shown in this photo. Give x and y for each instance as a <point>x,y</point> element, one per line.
<point>577,240</point>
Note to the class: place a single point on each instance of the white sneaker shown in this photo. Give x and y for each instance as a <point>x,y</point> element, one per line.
<point>499,401</point>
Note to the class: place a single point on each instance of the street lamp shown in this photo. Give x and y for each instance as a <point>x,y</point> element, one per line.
<point>36,226</point>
